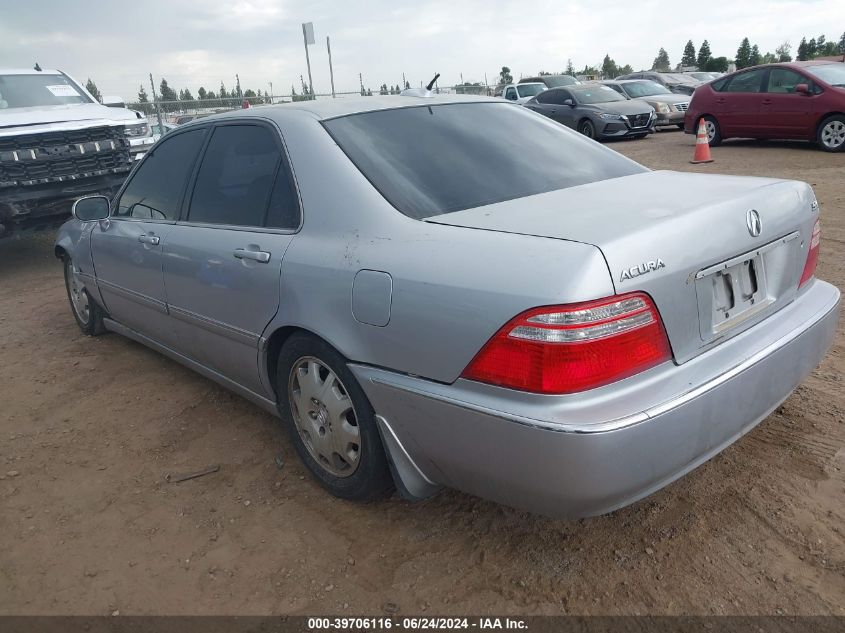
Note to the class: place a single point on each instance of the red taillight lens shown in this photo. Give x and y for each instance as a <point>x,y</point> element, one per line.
<point>571,348</point>
<point>812,255</point>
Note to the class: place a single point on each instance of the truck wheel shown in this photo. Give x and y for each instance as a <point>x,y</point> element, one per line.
<point>831,134</point>
<point>88,315</point>
<point>331,421</point>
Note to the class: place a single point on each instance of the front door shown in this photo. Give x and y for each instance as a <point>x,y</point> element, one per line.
<point>127,247</point>
<point>222,261</point>
<point>784,112</point>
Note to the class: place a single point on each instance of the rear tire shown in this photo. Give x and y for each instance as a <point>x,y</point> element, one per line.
<point>331,422</point>
<point>714,134</point>
<point>831,134</point>
<point>88,315</point>
<point>587,128</point>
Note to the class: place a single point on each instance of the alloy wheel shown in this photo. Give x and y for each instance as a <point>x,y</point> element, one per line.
<point>710,127</point>
<point>324,416</point>
<point>833,134</point>
<point>77,294</point>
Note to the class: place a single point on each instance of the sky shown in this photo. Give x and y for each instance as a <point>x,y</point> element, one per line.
<point>192,44</point>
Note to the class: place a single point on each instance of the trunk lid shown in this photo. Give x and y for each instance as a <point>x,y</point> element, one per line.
<point>683,238</point>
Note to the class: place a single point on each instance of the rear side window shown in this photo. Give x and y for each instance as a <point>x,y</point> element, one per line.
<point>236,177</point>
<point>430,160</point>
<point>155,191</point>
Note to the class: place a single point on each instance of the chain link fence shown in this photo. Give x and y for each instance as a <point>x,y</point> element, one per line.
<point>173,111</point>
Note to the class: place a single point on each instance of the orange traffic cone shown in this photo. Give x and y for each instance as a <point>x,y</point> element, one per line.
<point>702,145</point>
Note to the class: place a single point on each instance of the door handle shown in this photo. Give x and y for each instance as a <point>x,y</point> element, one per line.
<point>261,257</point>
<point>767,102</point>
<point>149,239</point>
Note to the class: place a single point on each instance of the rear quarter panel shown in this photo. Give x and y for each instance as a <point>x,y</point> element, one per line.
<point>453,287</point>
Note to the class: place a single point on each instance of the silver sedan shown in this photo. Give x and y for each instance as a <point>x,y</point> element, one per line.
<point>560,330</point>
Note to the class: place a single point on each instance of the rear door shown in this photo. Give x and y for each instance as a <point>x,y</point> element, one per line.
<point>222,260</point>
<point>127,247</point>
<point>739,103</point>
<point>551,104</point>
<point>785,113</point>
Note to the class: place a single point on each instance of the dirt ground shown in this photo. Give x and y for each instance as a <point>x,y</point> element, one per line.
<point>88,525</point>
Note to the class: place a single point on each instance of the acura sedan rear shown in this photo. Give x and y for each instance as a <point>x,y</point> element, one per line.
<point>423,306</point>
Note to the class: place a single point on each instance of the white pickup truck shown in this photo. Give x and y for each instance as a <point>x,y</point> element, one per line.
<point>58,143</point>
<point>520,93</point>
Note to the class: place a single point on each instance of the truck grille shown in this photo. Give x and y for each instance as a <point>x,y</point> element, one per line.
<point>34,159</point>
<point>639,120</point>
<point>682,106</point>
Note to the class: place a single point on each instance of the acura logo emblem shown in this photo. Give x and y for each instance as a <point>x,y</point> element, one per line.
<point>752,221</point>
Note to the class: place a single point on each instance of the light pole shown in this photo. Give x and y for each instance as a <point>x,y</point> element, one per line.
<point>331,71</point>
<point>271,91</point>
<point>308,38</point>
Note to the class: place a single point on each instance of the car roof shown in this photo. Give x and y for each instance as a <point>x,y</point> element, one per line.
<point>29,71</point>
<point>328,108</point>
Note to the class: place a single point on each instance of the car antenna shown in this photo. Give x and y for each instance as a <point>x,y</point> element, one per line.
<point>432,82</point>
<point>37,67</point>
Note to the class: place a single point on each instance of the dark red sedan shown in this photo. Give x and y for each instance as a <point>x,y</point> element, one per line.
<point>798,100</point>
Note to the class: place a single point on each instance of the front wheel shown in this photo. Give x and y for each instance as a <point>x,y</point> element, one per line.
<point>587,128</point>
<point>331,421</point>
<point>831,134</point>
<point>88,315</point>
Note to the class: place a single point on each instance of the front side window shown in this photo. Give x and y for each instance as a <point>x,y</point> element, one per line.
<point>430,160</point>
<point>236,177</point>
<point>511,94</point>
<point>745,82</point>
<point>39,90</point>
<point>783,81</point>
<point>155,190</point>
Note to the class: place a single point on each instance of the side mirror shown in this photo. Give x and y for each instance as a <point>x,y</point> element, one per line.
<point>570,103</point>
<point>803,89</point>
<point>91,208</point>
<point>113,102</point>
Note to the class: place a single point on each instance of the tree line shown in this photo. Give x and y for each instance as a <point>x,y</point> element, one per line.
<point>702,59</point>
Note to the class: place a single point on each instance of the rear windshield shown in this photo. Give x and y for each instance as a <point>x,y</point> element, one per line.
<point>555,81</point>
<point>530,90</point>
<point>431,160</point>
<point>645,88</point>
<point>38,90</point>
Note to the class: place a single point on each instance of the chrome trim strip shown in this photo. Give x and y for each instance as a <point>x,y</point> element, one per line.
<point>137,297</point>
<point>746,256</point>
<point>215,327</point>
<point>636,418</point>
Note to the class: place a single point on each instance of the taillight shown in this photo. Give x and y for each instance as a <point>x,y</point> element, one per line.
<point>575,347</point>
<point>812,255</point>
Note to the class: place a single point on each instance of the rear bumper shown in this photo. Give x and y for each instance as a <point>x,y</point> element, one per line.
<point>592,453</point>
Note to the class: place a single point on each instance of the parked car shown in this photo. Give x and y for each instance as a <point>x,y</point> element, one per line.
<point>596,111</point>
<point>703,77</point>
<point>678,83</point>
<point>424,306</point>
<point>797,100</point>
<point>57,143</point>
<point>552,81</point>
<point>520,93</point>
<point>669,107</point>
